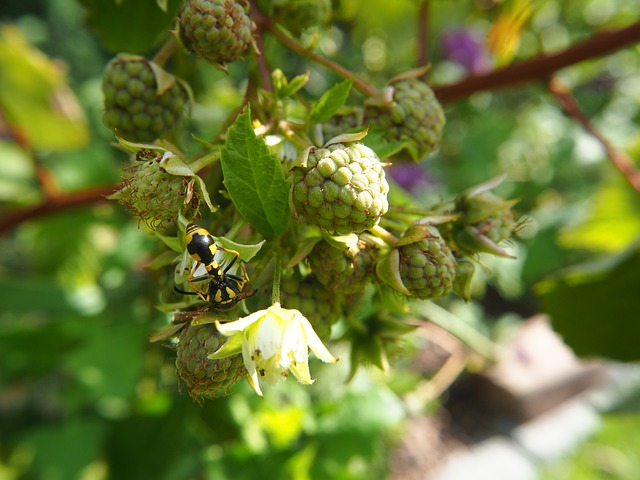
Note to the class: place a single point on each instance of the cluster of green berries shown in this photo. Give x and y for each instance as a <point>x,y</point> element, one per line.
<point>412,115</point>
<point>341,270</point>
<point>316,302</point>
<point>219,31</point>
<point>350,119</point>
<point>427,266</point>
<point>203,377</point>
<point>484,221</point>
<point>152,194</point>
<point>141,101</point>
<point>298,15</point>
<point>341,188</point>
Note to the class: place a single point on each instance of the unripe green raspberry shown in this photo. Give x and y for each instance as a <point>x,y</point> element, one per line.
<point>341,122</point>
<point>203,377</point>
<point>298,15</point>
<point>499,227</point>
<point>317,303</point>
<point>484,220</point>
<point>142,102</point>
<point>427,267</point>
<point>414,115</point>
<point>341,189</point>
<point>220,31</point>
<point>153,195</point>
<point>338,270</point>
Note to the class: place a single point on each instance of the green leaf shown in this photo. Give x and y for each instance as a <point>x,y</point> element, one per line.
<point>35,97</point>
<point>17,183</point>
<point>95,363</point>
<point>167,332</point>
<point>383,148</point>
<point>612,220</point>
<point>303,250</point>
<point>233,346</point>
<point>284,88</point>
<point>174,243</point>
<point>347,138</point>
<point>595,306</point>
<point>388,270</point>
<point>174,165</point>
<point>130,25</point>
<point>254,179</point>
<point>65,449</point>
<point>329,103</point>
<point>161,261</point>
<point>247,252</point>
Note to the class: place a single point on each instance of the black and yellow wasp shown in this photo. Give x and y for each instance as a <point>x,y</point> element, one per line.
<point>224,289</point>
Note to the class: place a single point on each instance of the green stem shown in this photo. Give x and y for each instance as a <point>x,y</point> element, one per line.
<point>199,163</point>
<point>290,43</point>
<point>165,52</point>
<point>235,228</point>
<point>385,235</point>
<point>456,327</point>
<point>277,273</point>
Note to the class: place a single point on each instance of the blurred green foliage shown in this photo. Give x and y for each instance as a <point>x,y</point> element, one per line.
<point>611,454</point>
<point>83,394</point>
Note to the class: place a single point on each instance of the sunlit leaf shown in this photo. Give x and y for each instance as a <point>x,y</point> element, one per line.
<point>17,180</point>
<point>254,178</point>
<point>612,222</point>
<point>331,101</point>
<point>35,97</point>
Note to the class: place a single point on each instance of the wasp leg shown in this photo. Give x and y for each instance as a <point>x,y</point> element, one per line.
<point>242,267</point>
<point>183,292</point>
<point>232,262</point>
<point>200,278</point>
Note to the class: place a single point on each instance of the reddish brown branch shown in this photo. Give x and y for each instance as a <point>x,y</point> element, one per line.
<point>47,181</point>
<point>621,161</point>
<point>423,33</point>
<point>542,66</point>
<point>261,61</point>
<point>55,204</point>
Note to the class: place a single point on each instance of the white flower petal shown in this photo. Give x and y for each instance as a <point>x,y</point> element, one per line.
<point>285,314</point>
<point>249,351</point>
<point>269,335</point>
<point>252,380</point>
<point>294,342</point>
<point>272,372</point>
<point>274,342</point>
<point>301,371</point>
<point>315,344</point>
<point>229,328</point>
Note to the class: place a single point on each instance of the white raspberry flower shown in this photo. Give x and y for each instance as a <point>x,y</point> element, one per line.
<point>273,342</point>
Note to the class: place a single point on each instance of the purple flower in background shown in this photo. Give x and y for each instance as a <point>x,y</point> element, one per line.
<point>410,176</point>
<point>466,49</point>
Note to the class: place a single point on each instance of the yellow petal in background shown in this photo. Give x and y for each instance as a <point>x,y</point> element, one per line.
<point>35,97</point>
<point>503,38</point>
